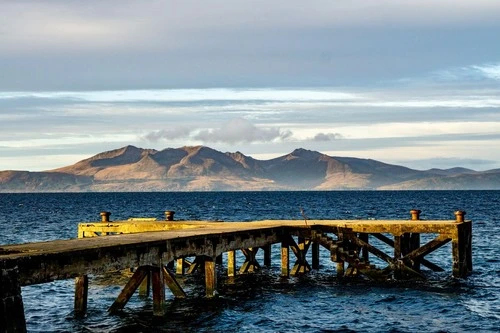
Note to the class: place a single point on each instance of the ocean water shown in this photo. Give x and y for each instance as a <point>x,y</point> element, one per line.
<point>264,302</point>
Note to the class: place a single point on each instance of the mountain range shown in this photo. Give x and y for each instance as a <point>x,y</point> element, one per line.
<point>201,168</point>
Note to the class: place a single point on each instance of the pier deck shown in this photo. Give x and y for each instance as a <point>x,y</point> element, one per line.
<point>154,252</point>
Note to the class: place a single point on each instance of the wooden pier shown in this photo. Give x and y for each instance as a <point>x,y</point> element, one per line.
<point>158,251</point>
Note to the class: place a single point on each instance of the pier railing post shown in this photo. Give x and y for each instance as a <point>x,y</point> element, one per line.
<point>11,303</point>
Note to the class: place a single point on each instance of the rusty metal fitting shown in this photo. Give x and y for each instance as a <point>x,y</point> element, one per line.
<point>460,216</point>
<point>415,214</point>
<point>105,216</point>
<point>169,215</point>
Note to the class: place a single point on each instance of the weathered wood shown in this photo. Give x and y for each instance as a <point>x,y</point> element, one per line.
<point>48,261</point>
<point>416,242</point>
<point>173,284</point>
<point>197,263</point>
<point>462,257</point>
<point>157,280</point>
<point>129,289</point>
<point>250,264</point>
<point>285,259</point>
<point>267,255</point>
<point>431,246</point>
<point>179,267</point>
<point>231,263</point>
<point>11,303</point>
<point>210,278</point>
<point>81,295</point>
<point>145,286</point>
<point>315,255</point>
<point>398,252</point>
<point>301,265</point>
<point>364,251</point>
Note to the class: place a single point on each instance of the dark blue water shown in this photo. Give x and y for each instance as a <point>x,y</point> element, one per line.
<point>263,301</point>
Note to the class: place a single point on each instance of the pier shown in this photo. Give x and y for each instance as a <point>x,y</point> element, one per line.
<point>158,251</point>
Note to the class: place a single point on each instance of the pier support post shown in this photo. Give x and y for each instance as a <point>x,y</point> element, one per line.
<point>157,280</point>
<point>267,255</point>
<point>210,277</point>
<point>364,251</point>
<point>11,303</point>
<point>81,295</point>
<point>462,246</point>
<point>301,265</point>
<point>414,238</point>
<point>398,243</point>
<point>250,264</point>
<point>315,255</point>
<point>285,259</point>
<point>231,263</point>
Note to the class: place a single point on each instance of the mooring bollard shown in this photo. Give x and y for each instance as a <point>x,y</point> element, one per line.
<point>169,215</point>
<point>105,216</point>
<point>460,216</point>
<point>415,214</point>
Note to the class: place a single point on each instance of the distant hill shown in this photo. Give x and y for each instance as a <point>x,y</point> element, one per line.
<point>201,168</point>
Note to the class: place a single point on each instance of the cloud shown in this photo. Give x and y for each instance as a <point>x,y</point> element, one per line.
<point>178,132</point>
<point>491,71</point>
<point>327,137</point>
<point>240,130</point>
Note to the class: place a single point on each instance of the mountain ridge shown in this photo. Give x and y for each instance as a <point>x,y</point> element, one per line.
<point>201,168</point>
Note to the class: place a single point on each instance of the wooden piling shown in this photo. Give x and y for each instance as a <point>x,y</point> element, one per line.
<point>157,280</point>
<point>315,256</point>
<point>210,277</point>
<point>285,259</point>
<point>11,303</point>
<point>267,255</point>
<point>231,263</point>
<point>81,295</point>
<point>461,246</point>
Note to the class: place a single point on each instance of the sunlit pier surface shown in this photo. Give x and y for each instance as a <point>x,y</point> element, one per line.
<point>158,252</point>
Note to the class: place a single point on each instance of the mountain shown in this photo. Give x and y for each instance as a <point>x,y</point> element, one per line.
<point>202,168</point>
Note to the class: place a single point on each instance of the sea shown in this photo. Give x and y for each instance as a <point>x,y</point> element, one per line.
<point>263,301</point>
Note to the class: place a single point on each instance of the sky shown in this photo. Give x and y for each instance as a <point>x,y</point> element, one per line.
<point>414,83</point>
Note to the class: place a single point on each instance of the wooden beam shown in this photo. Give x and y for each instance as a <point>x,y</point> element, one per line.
<point>157,280</point>
<point>145,287</point>
<point>173,284</point>
<point>267,255</point>
<point>285,258</point>
<point>231,263</point>
<point>81,295</point>
<point>129,289</point>
<point>179,267</point>
<point>250,264</point>
<point>431,246</point>
<point>210,277</point>
<point>315,255</point>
